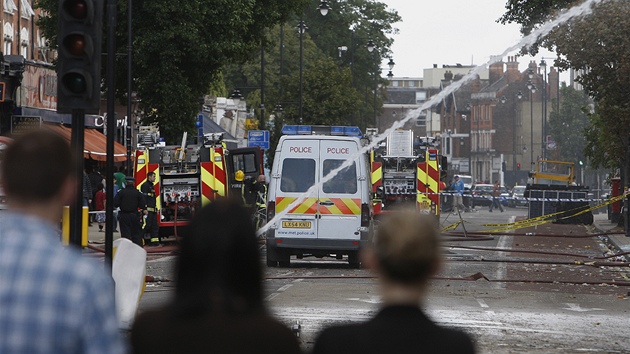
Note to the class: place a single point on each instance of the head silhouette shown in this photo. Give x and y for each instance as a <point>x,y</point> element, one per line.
<point>219,266</point>
<point>407,247</point>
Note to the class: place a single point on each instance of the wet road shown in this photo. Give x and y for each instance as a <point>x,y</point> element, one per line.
<point>542,300</point>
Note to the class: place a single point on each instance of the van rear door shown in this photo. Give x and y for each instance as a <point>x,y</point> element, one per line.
<point>340,197</point>
<point>298,170</point>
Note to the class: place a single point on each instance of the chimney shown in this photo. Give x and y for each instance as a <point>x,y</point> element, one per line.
<point>496,72</point>
<point>553,83</point>
<point>512,73</point>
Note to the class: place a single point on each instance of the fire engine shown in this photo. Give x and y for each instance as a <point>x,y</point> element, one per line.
<point>190,176</point>
<point>407,170</point>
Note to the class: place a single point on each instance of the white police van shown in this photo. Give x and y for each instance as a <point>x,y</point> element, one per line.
<point>334,219</point>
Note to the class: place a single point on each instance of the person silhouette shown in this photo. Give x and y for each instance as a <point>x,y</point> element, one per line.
<point>405,254</point>
<point>218,303</point>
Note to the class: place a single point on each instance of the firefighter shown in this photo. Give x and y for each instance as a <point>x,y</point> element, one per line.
<point>151,227</point>
<point>259,187</point>
<point>246,195</point>
<point>130,200</point>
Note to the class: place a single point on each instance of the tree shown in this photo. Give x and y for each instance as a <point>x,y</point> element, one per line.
<point>180,47</point>
<point>349,24</point>
<point>568,126</point>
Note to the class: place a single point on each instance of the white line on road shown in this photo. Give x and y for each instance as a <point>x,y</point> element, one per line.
<point>482,303</point>
<point>503,243</point>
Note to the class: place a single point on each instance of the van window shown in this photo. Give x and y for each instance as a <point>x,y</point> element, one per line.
<point>298,175</point>
<point>244,162</point>
<point>344,182</point>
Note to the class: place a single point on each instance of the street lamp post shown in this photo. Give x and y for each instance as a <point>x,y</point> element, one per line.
<point>301,28</point>
<point>532,89</point>
<point>543,66</point>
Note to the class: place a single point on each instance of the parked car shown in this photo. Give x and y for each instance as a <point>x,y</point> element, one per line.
<point>482,194</point>
<point>517,197</point>
<point>505,196</point>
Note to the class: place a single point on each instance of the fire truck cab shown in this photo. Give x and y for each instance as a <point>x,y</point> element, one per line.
<point>319,214</point>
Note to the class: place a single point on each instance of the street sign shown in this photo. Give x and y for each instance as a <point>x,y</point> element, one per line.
<point>551,144</point>
<point>258,138</point>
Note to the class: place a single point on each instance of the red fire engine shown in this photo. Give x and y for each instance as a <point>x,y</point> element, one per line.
<point>407,171</point>
<point>190,176</point>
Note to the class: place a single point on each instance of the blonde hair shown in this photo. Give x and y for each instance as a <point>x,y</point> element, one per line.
<point>407,247</point>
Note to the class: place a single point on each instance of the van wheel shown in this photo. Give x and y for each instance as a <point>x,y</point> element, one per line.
<point>284,259</point>
<point>272,256</point>
<point>353,259</point>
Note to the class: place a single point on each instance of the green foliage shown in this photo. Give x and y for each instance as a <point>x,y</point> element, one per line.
<point>568,126</point>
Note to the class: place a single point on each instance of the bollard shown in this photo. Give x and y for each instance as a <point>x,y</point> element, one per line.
<point>65,226</point>
<point>625,217</point>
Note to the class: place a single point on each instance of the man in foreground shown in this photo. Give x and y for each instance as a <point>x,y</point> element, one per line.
<point>52,300</point>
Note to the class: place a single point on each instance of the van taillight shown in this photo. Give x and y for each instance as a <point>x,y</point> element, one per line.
<point>365,215</point>
<point>271,210</point>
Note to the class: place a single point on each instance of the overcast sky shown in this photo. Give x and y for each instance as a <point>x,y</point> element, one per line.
<point>451,32</point>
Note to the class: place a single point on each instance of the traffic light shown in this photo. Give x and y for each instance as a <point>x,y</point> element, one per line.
<point>518,166</point>
<point>79,55</point>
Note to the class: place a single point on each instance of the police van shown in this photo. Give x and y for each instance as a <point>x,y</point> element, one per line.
<point>334,218</point>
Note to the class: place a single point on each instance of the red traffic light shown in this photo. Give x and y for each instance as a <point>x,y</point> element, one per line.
<point>518,166</point>
<point>78,9</point>
<point>74,44</point>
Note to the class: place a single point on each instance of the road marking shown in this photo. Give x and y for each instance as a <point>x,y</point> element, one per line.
<point>271,296</point>
<point>285,287</point>
<point>371,300</point>
<point>500,273</point>
<point>578,308</point>
<point>482,303</point>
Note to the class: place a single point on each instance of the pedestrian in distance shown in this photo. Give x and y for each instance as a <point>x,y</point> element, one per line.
<point>99,206</point>
<point>404,255</point>
<point>458,191</point>
<point>95,178</point>
<point>52,299</point>
<point>130,201</point>
<point>496,193</point>
<point>151,229</point>
<point>218,303</point>
<point>88,193</point>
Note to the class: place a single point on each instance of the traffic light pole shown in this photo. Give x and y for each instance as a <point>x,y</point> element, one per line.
<point>111,128</point>
<point>77,142</point>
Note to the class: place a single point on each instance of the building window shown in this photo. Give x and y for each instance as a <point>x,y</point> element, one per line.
<point>412,83</point>
<point>27,10</point>
<point>9,7</point>
<point>395,83</point>
<point>7,47</point>
<point>421,96</point>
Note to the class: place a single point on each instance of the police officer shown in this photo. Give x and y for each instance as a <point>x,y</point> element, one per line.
<point>151,226</point>
<point>129,199</point>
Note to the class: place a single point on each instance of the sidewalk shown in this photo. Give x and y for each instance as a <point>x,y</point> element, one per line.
<point>619,240</point>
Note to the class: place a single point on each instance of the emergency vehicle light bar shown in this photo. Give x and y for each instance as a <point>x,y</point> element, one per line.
<point>321,130</point>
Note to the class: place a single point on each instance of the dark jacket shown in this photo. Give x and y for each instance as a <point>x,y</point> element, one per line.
<point>129,200</point>
<point>147,188</point>
<point>87,187</point>
<point>395,329</point>
<point>158,332</point>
